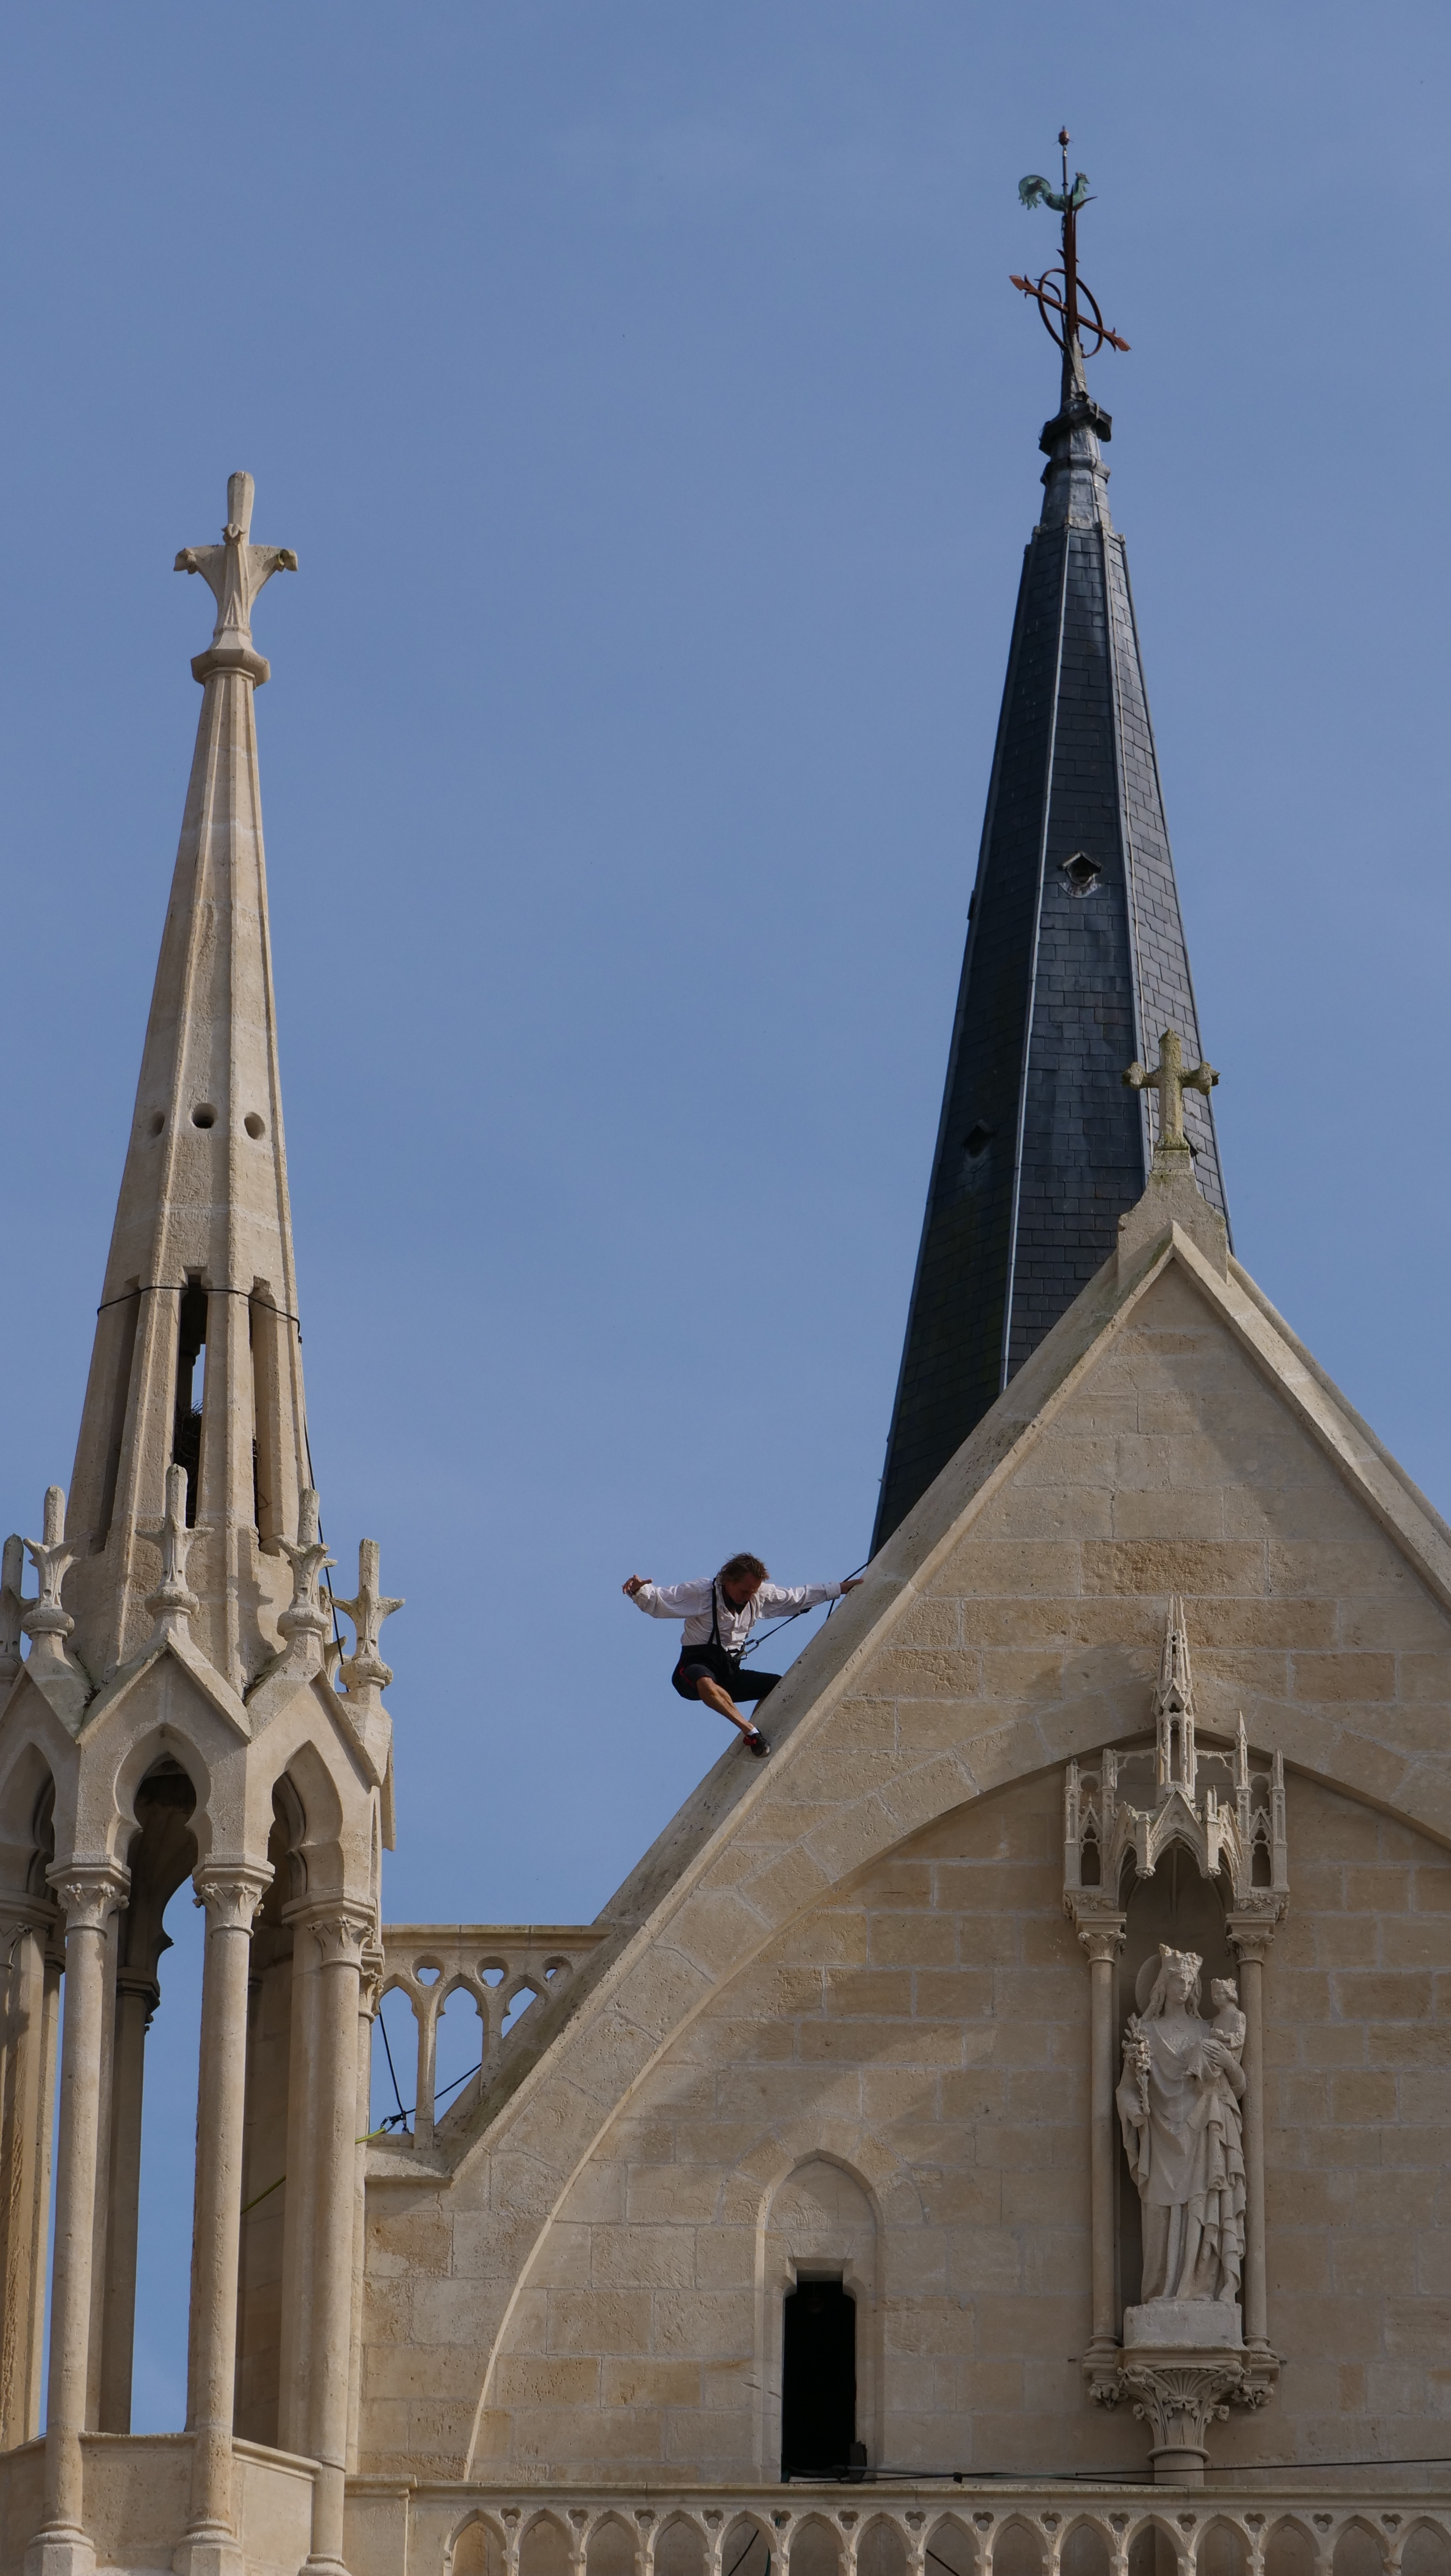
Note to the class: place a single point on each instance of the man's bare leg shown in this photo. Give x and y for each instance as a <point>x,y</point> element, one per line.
<point>724,1706</point>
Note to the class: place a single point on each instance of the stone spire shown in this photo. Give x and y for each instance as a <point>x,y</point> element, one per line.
<point>1075,961</point>
<point>196,1360</point>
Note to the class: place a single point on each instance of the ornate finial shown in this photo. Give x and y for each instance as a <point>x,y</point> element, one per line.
<point>12,1573</point>
<point>52,1560</point>
<point>175,1539</point>
<point>305,1615</point>
<point>1170,1080</point>
<point>365,1666</point>
<point>1067,306</point>
<point>235,571</point>
<point>1176,1761</point>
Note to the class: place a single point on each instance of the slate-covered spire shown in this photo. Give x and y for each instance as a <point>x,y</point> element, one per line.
<point>1075,963</point>
<point>196,1359</point>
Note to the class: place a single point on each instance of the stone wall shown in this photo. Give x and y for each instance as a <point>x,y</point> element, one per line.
<point>868,1972</point>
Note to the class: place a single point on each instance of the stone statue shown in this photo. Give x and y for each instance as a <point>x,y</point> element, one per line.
<point>1179,2107</point>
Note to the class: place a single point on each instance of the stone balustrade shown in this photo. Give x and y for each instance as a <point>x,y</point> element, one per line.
<point>496,1964</point>
<point>1281,2526</point>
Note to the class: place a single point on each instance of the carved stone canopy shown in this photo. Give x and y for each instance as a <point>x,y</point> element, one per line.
<point>1137,1804</point>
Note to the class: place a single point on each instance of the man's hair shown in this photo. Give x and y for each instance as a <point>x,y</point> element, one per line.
<point>737,1568</point>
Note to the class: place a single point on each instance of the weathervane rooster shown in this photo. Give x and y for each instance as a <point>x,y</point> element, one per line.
<point>1065,303</point>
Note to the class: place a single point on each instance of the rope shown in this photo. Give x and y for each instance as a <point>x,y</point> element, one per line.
<point>778,1624</point>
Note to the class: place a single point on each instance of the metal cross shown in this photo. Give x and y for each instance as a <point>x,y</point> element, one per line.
<point>1170,1080</point>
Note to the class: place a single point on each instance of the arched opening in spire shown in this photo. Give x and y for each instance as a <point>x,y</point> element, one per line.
<point>161,1857</point>
<point>187,1408</point>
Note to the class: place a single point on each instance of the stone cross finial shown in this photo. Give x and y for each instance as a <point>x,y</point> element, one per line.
<point>307,1555</point>
<point>175,1540</point>
<point>52,1560</point>
<point>1170,1080</point>
<point>367,1612</point>
<point>235,571</point>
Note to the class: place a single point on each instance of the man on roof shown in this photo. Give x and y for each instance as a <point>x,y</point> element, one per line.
<point>719,1612</point>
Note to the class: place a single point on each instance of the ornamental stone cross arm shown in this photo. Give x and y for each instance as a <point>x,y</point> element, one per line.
<point>235,571</point>
<point>367,1611</point>
<point>1170,1080</point>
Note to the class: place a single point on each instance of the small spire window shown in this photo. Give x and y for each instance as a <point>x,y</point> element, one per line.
<point>191,1362</point>
<point>1082,873</point>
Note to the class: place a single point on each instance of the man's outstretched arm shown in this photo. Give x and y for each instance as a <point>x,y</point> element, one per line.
<point>667,1600</point>
<point>783,1600</point>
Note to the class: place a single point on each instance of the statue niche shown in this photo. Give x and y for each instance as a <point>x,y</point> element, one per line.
<point>1173,1880</point>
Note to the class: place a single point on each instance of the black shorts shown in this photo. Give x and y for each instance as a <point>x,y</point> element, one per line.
<point>711,1663</point>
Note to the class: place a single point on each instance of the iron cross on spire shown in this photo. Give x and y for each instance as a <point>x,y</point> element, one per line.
<point>235,571</point>
<point>1067,306</point>
<point>1170,1080</point>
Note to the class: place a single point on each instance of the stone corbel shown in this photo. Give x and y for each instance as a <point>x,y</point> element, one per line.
<point>1179,2395</point>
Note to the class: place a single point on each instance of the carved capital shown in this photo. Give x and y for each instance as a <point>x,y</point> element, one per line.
<point>373,1962</point>
<point>1179,2395</point>
<point>1250,1934</point>
<point>231,1893</point>
<point>1180,2400</point>
<point>343,1932</point>
<point>87,1892</point>
<point>1101,1942</point>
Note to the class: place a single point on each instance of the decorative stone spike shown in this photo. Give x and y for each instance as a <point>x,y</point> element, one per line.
<point>365,1669</point>
<point>305,1615</point>
<point>172,1597</point>
<point>12,1568</point>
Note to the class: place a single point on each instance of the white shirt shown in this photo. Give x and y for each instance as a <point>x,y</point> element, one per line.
<point>692,1603</point>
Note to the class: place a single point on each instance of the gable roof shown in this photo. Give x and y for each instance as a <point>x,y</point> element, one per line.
<point>755,1846</point>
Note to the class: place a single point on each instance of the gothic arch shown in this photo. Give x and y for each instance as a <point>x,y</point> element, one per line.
<point>948,2549</point>
<point>544,2548</point>
<point>1223,2550</point>
<point>27,1821</point>
<point>813,2547</point>
<point>1017,2548</point>
<point>1359,2549</point>
<point>1425,2550</point>
<point>680,2548</point>
<point>1290,2549</point>
<point>1086,2548</point>
<point>475,2548</point>
<point>820,2219</point>
<point>610,2549</point>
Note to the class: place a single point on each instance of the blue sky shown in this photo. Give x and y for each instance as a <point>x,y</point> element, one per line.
<point>642,390</point>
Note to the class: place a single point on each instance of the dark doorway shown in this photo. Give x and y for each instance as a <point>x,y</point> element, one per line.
<point>818,2381</point>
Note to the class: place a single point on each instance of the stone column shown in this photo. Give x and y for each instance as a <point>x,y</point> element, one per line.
<point>27,2088</point>
<point>341,1933</point>
<point>370,1994</point>
<point>87,1894</point>
<point>231,1895</point>
<point>1102,1943</point>
<point>137,1997</point>
<point>1251,1940</point>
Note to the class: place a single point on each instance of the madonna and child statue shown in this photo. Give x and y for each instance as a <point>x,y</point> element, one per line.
<point>1180,2107</point>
